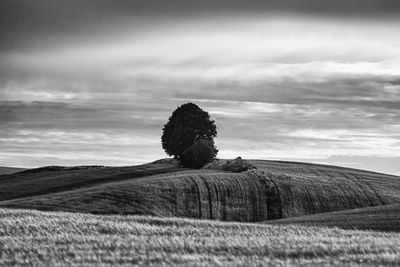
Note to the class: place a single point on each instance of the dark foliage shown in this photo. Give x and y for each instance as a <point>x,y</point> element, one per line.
<point>187,124</point>
<point>199,154</point>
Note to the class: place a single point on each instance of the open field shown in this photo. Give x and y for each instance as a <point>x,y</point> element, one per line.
<point>312,188</point>
<point>272,191</point>
<point>9,170</point>
<point>191,193</point>
<point>54,179</point>
<point>56,238</point>
<point>381,218</point>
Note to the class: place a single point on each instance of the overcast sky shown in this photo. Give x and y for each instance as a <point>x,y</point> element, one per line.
<point>93,82</point>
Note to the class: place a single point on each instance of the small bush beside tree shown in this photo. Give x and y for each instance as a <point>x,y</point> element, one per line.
<point>199,154</point>
<point>237,165</point>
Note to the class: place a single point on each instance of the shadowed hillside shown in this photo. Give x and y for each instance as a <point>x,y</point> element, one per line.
<point>193,193</point>
<point>382,218</point>
<point>9,170</point>
<point>54,179</point>
<point>274,190</point>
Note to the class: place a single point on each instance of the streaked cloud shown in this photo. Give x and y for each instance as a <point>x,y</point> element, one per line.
<point>280,85</point>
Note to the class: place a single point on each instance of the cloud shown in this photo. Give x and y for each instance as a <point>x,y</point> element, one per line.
<point>217,40</point>
<point>121,132</point>
<point>45,133</point>
<point>278,86</point>
<point>243,57</point>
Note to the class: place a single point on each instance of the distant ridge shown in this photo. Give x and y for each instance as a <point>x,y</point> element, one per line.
<point>9,170</point>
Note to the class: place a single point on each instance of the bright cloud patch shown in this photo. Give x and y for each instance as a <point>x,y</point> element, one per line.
<point>278,86</point>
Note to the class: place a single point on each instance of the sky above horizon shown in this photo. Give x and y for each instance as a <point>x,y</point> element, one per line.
<point>93,82</point>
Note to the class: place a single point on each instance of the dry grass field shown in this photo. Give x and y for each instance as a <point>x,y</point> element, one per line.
<point>137,209</point>
<point>52,179</point>
<point>272,191</point>
<point>312,188</point>
<point>57,238</point>
<point>381,218</point>
<point>192,193</point>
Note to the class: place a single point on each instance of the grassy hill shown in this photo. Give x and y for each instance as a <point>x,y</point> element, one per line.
<point>306,188</point>
<point>189,193</point>
<point>56,238</point>
<point>272,191</point>
<point>52,179</point>
<point>9,170</point>
<point>381,218</point>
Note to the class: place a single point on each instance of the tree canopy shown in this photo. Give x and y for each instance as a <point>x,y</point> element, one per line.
<point>188,124</point>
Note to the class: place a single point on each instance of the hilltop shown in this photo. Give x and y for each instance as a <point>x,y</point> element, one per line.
<point>274,190</point>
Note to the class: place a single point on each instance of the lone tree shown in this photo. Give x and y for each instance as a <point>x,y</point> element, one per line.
<point>182,133</point>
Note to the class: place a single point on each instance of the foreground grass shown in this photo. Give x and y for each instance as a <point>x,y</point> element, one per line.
<point>50,238</point>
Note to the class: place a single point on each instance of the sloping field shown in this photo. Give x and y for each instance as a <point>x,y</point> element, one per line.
<point>312,188</point>
<point>9,170</point>
<point>274,190</point>
<point>206,194</point>
<point>53,179</point>
<point>56,238</point>
<point>381,218</point>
